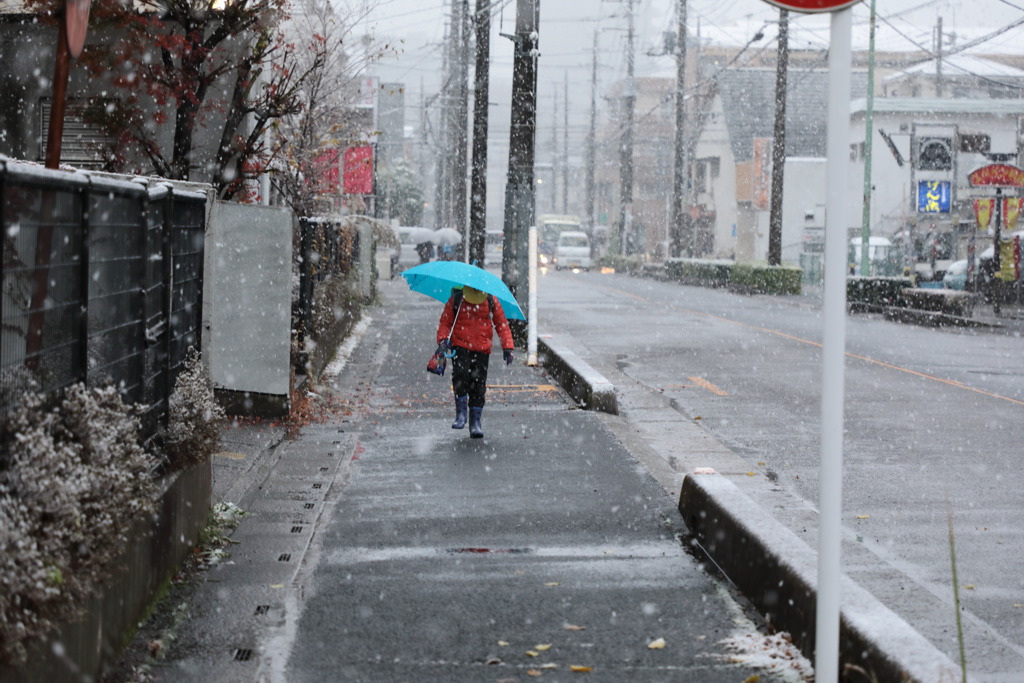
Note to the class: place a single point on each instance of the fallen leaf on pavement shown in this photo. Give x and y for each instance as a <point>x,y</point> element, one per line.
<point>581,669</point>
<point>502,643</point>
<point>658,644</point>
<point>534,672</point>
<point>552,583</point>
<point>542,648</point>
<point>531,653</point>
<point>574,627</point>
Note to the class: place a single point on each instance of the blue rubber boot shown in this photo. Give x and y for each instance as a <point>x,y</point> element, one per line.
<point>476,429</point>
<point>461,409</point>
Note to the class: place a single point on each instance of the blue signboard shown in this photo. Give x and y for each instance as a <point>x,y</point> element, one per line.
<point>933,196</point>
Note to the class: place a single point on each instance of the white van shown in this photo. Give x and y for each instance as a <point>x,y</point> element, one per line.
<point>572,251</point>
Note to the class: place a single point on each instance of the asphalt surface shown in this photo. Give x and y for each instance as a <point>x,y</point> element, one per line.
<point>382,545</point>
<point>707,377</point>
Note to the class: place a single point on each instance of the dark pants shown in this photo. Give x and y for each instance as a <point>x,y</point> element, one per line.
<point>469,375</point>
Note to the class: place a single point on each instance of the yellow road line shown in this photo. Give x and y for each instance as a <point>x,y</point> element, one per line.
<point>704,384</point>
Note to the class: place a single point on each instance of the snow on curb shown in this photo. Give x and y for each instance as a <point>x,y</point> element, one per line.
<point>777,571</point>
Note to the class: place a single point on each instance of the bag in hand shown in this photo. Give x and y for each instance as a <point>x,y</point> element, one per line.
<point>438,362</point>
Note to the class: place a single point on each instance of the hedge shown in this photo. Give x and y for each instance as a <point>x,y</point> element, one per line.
<point>764,279</point>
<point>876,292</point>
<point>699,272</point>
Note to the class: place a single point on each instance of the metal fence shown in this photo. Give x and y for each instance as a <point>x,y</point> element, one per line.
<point>101,282</point>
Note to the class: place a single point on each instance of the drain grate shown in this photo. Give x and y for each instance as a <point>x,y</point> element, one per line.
<point>285,557</point>
<point>243,655</point>
<point>296,529</point>
<point>262,609</point>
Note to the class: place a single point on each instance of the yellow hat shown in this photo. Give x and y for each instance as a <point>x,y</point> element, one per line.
<point>473,296</point>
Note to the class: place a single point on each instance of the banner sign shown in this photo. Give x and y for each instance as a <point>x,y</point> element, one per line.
<point>357,175</point>
<point>997,175</point>
<point>933,196</point>
<point>762,173</point>
<point>1009,260</point>
<point>1011,213</point>
<point>983,210</point>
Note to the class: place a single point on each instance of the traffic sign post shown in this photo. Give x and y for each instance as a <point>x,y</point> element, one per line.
<point>810,6</point>
<point>833,352</point>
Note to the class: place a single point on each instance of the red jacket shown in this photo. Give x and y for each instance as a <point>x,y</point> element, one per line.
<point>473,328</point>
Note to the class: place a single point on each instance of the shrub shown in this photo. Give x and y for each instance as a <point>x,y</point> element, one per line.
<point>193,433</point>
<point>764,279</point>
<point>700,272</point>
<point>876,292</point>
<point>73,481</point>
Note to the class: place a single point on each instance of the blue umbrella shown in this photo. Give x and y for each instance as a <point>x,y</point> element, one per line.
<point>437,279</point>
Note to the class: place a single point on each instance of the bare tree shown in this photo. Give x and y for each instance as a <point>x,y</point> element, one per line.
<point>194,85</point>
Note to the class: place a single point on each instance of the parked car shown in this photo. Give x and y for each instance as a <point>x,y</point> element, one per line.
<point>956,274</point>
<point>572,251</point>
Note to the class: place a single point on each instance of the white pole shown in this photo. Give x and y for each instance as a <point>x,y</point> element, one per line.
<point>826,663</point>
<point>531,323</point>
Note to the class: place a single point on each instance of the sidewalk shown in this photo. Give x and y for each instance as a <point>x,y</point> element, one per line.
<point>385,546</point>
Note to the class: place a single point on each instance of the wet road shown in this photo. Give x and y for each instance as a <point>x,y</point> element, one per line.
<point>934,427</point>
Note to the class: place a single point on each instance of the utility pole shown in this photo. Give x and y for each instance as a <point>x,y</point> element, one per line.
<point>460,118</point>
<point>680,237</point>
<point>779,143</point>
<point>865,222</point>
<point>626,238</point>
<point>554,150</point>
<point>592,141</point>
<point>481,94</point>
<point>442,194</point>
<point>938,59</point>
<point>519,187</point>
<point>565,146</point>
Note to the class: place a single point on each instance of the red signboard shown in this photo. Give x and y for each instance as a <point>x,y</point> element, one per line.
<point>326,172</point>
<point>357,176</point>
<point>997,175</point>
<point>813,5</point>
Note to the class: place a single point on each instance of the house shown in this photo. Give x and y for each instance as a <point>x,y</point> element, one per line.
<point>731,166</point>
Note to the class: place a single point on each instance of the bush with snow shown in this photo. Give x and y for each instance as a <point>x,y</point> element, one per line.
<point>73,482</point>
<point>196,418</point>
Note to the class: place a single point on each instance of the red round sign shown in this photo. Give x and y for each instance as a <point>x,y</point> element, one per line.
<point>76,14</point>
<point>813,5</point>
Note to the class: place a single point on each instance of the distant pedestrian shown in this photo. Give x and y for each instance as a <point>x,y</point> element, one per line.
<point>469,321</point>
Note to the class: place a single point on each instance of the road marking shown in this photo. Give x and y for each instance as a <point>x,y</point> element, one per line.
<point>517,388</point>
<point>704,384</point>
<point>866,359</point>
<point>700,383</point>
<point>228,454</point>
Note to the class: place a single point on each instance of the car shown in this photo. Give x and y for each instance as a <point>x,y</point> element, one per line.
<point>956,274</point>
<point>572,250</point>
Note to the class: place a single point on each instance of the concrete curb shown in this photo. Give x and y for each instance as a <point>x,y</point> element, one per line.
<point>777,571</point>
<point>586,385</point>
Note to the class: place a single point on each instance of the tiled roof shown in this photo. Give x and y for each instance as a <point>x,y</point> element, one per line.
<point>748,98</point>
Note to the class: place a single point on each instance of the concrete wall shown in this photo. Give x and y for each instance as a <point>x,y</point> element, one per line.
<point>247,306</point>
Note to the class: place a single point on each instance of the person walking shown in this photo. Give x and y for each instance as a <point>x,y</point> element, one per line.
<point>468,323</point>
